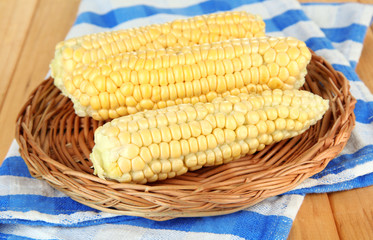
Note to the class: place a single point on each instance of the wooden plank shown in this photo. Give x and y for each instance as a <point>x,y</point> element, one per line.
<point>51,22</point>
<point>16,18</point>
<point>314,219</point>
<point>364,66</point>
<point>353,213</point>
<point>317,206</point>
<point>327,1</point>
<point>338,1</point>
<point>344,221</point>
<point>354,224</point>
<point>353,209</point>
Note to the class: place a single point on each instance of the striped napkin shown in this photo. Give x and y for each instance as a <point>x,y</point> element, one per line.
<point>30,208</point>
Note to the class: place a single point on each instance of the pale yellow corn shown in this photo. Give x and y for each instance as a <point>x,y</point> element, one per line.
<point>215,27</point>
<point>164,143</point>
<point>152,79</point>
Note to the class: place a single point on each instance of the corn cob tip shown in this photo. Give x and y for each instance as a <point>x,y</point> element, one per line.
<point>164,143</point>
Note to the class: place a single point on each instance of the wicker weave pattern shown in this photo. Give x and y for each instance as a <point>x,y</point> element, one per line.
<point>55,144</point>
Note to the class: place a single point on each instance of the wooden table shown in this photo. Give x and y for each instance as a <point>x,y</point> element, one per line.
<point>29,31</point>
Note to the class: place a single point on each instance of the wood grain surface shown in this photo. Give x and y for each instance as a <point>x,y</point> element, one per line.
<point>29,31</point>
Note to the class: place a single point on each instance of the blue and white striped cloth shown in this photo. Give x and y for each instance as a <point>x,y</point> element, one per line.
<point>30,208</point>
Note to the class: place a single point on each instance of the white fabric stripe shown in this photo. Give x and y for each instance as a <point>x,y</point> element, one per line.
<point>348,174</point>
<point>110,231</point>
<point>25,185</point>
<point>84,29</point>
<point>275,34</point>
<point>102,7</point>
<point>328,17</point>
<point>303,30</point>
<point>278,206</point>
<point>13,150</point>
<point>350,49</point>
<point>74,218</point>
<point>360,91</point>
<point>361,137</point>
<point>29,231</point>
<point>333,56</point>
<point>134,232</point>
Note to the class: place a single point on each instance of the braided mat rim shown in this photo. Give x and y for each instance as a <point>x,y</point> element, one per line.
<point>55,144</point>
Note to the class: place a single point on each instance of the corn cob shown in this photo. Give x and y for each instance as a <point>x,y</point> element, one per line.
<point>164,143</point>
<point>181,32</point>
<point>152,79</point>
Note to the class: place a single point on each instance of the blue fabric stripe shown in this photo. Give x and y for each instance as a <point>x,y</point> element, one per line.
<point>120,15</point>
<point>353,64</point>
<point>364,111</point>
<point>340,164</point>
<point>49,205</point>
<point>14,166</point>
<point>81,223</point>
<point>347,161</point>
<point>13,237</point>
<point>239,224</point>
<point>354,32</point>
<point>359,182</point>
<point>317,43</point>
<point>284,20</point>
<point>322,3</point>
<point>347,71</point>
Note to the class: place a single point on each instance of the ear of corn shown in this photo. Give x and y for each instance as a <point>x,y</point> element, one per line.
<point>150,79</point>
<point>180,32</point>
<point>215,27</point>
<point>164,143</point>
